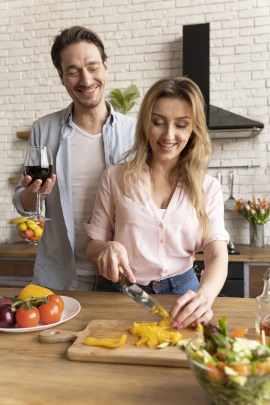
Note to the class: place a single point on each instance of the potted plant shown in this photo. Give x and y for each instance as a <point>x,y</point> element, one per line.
<point>124,101</point>
<point>257,213</point>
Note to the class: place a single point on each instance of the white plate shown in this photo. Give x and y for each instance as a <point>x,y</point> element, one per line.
<point>71,309</point>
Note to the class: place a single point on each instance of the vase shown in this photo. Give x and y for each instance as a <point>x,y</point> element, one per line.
<point>256,234</point>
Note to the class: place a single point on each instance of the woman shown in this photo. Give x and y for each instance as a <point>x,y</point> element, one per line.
<point>156,210</point>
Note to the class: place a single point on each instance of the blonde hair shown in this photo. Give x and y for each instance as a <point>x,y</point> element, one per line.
<point>193,160</point>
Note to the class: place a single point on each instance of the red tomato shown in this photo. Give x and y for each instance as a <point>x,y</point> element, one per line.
<point>27,318</point>
<point>50,312</point>
<point>58,299</point>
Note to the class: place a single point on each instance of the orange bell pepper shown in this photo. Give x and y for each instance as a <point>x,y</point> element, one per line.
<point>239,332</point>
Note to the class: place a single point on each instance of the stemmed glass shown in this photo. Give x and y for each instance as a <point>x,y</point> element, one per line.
<point>39,165</point>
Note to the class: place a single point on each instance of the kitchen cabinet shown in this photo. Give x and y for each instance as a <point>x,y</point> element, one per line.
<point>256,279</point>
<point>17,264</point>
<point>234,284</point>
<point>245,271</point>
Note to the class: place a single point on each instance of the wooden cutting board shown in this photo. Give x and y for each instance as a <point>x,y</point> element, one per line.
<point>129,353</point>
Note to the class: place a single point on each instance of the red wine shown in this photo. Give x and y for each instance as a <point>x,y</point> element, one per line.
<point>38,172</point>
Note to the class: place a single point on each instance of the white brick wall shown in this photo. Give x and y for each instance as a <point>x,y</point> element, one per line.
<point>143,39</point>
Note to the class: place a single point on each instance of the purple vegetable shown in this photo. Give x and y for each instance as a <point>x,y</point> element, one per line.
<point>4,301</point>
<point>7,317</point>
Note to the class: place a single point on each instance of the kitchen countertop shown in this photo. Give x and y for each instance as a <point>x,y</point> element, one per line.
<point>248,253</point>
<point>39,373</point>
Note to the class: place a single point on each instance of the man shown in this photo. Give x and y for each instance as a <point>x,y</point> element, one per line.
<point>85,138</point>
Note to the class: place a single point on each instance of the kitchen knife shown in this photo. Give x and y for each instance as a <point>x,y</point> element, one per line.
<point>141,297</point>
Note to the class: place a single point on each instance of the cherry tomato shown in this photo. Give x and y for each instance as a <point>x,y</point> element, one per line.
<point>57,298</point>
<point>50,312</point>
<point>27,318</point>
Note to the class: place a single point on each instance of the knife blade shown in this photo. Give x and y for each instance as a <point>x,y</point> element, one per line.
<point>138,295</point>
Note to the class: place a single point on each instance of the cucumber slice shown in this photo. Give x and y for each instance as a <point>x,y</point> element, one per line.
<point>162,345</point>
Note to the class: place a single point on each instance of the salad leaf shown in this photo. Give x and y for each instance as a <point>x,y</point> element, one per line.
<point>222,326</point>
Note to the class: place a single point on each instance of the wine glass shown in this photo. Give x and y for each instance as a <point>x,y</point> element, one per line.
<point>39,165</point>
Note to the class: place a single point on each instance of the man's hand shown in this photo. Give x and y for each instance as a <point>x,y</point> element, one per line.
<point>29,194</point>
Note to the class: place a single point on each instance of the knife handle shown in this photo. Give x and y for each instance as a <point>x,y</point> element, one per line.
<point>123,280</point>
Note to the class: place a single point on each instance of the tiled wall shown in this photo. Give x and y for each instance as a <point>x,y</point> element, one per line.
<point>143,39</point>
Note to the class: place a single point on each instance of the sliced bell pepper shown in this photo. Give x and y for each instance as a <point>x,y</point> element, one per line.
<point>106,342</point>
<point>153,335</point>
<point>239,332</point>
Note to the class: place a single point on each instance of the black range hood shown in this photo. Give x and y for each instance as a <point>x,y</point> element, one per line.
<point>196,66</point>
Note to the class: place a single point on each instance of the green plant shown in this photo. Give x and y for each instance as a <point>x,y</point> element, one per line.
<point>124,101</point>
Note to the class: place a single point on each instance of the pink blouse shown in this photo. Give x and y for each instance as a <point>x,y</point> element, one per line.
<point>158,247</point>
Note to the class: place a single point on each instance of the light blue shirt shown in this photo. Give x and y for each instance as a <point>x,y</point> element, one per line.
<point>55,264</point>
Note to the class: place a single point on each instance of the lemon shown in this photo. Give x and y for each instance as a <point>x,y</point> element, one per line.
<point>31,224</point>
<point>22,227</point>
<point>38,232</point>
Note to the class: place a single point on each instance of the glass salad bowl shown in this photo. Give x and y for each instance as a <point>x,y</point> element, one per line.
<point>245,380</point>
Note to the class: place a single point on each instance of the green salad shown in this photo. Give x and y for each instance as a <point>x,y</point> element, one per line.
<point>234,371</point>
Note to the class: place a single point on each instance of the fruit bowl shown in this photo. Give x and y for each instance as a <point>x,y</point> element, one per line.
<point>29,230</point>
<point>248,386</point>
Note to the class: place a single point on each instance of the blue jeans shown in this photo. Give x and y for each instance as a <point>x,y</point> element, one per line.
<point>177,285</point>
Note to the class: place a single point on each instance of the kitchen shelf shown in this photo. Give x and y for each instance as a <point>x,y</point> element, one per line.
<point>24,134</point>
<point>14,180</point>
<point>233,167</point>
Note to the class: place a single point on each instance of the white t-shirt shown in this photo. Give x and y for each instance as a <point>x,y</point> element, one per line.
<point>87,165</point>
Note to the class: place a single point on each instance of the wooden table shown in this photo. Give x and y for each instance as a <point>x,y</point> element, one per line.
<point>34,373</point>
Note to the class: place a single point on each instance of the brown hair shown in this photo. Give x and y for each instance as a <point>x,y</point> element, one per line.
<point>72,36</point>
<point>193,160</point>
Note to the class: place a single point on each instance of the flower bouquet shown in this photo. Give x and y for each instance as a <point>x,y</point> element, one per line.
<point>257,213</point>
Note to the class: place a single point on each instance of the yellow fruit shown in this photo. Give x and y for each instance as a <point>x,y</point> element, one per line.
<point>34,290</point>
<point>31,224</point>
<point>22,227</point>
<point>18,220</point>
<point>38,232</point>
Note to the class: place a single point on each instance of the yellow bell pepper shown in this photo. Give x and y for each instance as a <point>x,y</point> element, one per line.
<point>158,309</point>
<point>33,290</point>
<point>165,324</point>
<point>153,335</point>
<point>106,342</point>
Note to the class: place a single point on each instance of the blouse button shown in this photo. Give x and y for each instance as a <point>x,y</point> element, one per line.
<point>161,225</point>
<point>161,241</point>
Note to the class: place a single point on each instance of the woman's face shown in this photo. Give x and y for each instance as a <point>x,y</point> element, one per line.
<point>170,129</point>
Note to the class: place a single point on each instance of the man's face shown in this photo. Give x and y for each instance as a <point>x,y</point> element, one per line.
<point>84,74</point>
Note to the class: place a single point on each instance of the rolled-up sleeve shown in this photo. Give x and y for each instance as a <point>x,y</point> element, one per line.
<point>215,211</point>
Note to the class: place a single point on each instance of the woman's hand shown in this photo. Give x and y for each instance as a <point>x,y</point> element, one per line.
<point>195,307</point>
<point>191,309</point>
<point>112,260</point>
